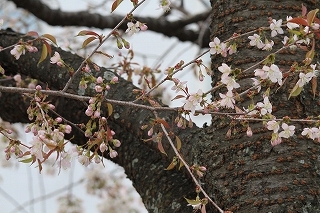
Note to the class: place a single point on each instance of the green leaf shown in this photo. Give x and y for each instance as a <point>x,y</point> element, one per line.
<point>110,109</point>
<point>87,41</point>
<point>295,91</point>
<point>311,15</point>
<point>193,202</point>
<point>178,143</point>
<point>172,164</point>
<point>44,53</point>
<point>115,4</point>
<point>28,160</point>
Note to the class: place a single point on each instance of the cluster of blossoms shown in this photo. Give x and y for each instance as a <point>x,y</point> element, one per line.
<point>287,132</point>
<point>134,28</point>
<point>20,49</point>
<point>165,5</point>
<point>218,47</point>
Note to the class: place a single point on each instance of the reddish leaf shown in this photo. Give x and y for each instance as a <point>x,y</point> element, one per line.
<point>178,97</point>
<point>304,11</point>
<point>299,21</point>
<point>115,4</point>
<point>32,33</point>
<point>105,54</point>
<point>87,32</point>
<point>165,124</point>
<point>160,147</point>
<point>87,41</point>
<point>51,38</point>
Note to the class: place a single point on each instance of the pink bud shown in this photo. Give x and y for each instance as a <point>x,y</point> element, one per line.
<point>96,114</point>
<point>115,79</point>
<point>27,129</point>
<point>68,129</point>
<point>249,131</point>
<point>58,119</point>
<point>98,88</point>
<point>103,147</point>
<point>113,154</point>
<point>31,86</point>
<point>112,132</point>
<point>89,112</point>
<point>150,132</point>
<point>143,27</point>
<point>60,64</point>
<point>99,80</point>
<point>107,87</point>
<point>202,168</point>
<point>116,143</point>
<point>38,87</point>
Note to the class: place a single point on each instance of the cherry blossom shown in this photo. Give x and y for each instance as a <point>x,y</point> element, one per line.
<point>227,99</point>
<point>165,5</point>
<point>273,125</point>
<point>192,101</point>
<point>276,140</point>
<point>291,25</point>
<point>255,40</point>
<point>266,106</point>
<point>56,59</point>
<point>113,154</point>
<point>179,86</point>
<point>17,51</point>
<point>287,132</point>
<point>67,157</point>
<point>230,82</point>
<point>132,28</point>
<point>305,78</point>
<point>273,73</point>
<point>275,27</point>
<point>312,133</point>
<point>84,160</point>
<point>215,46</point>
<point>225,69</point>
<point>36,148</point>
<point>268,45</point>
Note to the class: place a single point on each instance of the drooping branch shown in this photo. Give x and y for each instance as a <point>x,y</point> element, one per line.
<point>136,156</point>
<point>84,18</point>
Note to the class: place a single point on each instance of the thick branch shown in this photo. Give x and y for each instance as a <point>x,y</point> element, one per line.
<point>84,18</point>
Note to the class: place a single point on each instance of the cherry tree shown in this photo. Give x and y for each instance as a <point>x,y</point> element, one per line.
<point>261,152</point>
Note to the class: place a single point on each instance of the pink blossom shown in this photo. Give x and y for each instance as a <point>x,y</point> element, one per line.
<point>84,160</point>
<point>287,132</point>
<point>249,131</point>
<point>132,28</point>
<point>55,58</point>
<point>273,125</point>
<point>115,79</point>
<point>96,114</point>
<point>215,46</point>
<point>58,119</point>
<point>179,86</point>
<point>225,69</point>
<point>103,147</point>
<point>17,51</point>
<point>227,99</point>
<point>229,82</point>
<point>116,143</point>
<point>276,140</point>
<point>143,27</point>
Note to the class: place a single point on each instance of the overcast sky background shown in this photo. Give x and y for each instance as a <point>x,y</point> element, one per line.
<point>23,182</point>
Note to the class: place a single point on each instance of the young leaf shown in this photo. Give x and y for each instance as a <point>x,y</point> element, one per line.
<point>165,124</point>
<point>87,41</point>
<point>193,202</point>
<point>180,164</point>
<point>160,147</point>
<point>311,16</point>
<point>110,109</point>
<point>299,21</point>
<point>87,32</point>
<point>115,4</point>
<point>178,143</point>
<point>51,38</point>
<point>295,91</point>
<point>28,160</point>
<point>172,164</point>
<point>178,97</point>
<point>105,54</point>
<point>32,33</point>
<point>44,53</point>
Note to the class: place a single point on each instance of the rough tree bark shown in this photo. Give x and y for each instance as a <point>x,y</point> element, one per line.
<point>244,174</point>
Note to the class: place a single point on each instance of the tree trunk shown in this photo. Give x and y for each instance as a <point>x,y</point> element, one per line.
<point>243,174</point>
